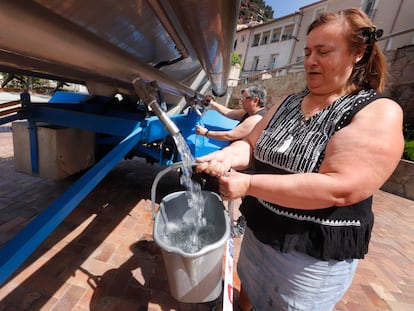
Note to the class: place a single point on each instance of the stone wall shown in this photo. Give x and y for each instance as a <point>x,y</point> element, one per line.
<point>401,182</point>
<point>277,87</point>
<point>400,84</point>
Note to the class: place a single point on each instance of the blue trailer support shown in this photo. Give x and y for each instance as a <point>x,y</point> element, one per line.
<point>34,152</point>
<point>127,133</point>
<point>21,246</point>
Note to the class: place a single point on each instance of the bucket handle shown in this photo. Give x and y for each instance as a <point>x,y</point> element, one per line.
<point>159,176</point>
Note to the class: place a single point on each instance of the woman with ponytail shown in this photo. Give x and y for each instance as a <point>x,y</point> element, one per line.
<point>317,160</point>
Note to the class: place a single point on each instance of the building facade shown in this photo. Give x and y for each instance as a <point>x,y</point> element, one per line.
<point>267,46</point>
<point>279,43</point>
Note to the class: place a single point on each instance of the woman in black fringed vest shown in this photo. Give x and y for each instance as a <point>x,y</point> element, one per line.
<point>318,158</point>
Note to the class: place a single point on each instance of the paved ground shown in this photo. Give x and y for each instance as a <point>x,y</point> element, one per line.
<point>102,256</point>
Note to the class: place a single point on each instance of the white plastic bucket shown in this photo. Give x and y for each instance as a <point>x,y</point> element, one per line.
<point>193,277</point>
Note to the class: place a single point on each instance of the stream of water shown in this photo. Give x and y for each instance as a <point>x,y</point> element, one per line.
<point>192,232</point>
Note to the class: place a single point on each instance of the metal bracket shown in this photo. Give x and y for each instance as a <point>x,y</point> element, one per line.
<point>147,93</point>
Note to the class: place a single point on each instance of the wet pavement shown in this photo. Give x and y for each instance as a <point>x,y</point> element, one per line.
<point>102,256</point>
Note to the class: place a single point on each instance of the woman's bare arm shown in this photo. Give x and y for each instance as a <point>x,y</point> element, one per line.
<point>358,160</point>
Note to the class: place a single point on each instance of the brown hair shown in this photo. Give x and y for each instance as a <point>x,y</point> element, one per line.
<point>370,71</point>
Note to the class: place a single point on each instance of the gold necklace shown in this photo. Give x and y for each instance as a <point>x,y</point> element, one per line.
<point>308,114</point>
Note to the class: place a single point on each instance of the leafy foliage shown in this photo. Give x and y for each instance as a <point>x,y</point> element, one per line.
<point>408,131</point>
<point>409,150</point>
<point>255,10</point>
<point>408,153</point>
<point>235,59</point>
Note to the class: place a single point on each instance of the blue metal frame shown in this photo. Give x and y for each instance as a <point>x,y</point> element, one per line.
<point>136,132</point>
<point>21,246</point>
<point>34,152</point>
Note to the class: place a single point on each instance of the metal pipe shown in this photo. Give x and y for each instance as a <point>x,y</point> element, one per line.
<point>9,104</point>
<point>166,22</point>
<point>147,93</point>
<point>397,33</point>
<point>74,47</point>
<point>9,111</point>
<point>70,52</point>
<point>211,27</point>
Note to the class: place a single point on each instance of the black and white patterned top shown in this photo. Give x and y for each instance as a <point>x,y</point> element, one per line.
<point>291,144</point>
<point>298,146</point>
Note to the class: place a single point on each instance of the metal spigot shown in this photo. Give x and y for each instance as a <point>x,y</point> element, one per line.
<point>147,92</point>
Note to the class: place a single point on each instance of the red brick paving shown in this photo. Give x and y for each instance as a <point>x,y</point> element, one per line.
<point>102,256</point>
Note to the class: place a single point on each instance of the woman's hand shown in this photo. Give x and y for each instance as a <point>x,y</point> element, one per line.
<point>215,164</point>
<point>208,100</point>
<point>234,185</point>
<point>201,130</point>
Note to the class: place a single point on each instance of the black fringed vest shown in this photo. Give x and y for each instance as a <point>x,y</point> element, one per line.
<point>292,145</point>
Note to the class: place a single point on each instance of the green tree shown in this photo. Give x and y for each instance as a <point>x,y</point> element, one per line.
<point>255,10</point>
<point>235,59</point>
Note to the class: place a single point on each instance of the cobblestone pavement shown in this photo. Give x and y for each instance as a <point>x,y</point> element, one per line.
<point>102,256</point>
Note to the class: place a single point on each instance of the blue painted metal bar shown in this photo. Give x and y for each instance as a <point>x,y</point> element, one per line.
<point>34,150</point>
<point>154,128</point>
<point>81,120</point>
<point>21,246</point>
<point>10,118</point>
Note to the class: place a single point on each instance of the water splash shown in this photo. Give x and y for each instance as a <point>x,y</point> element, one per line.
<point>189,234</point>
<point>194,196</point>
